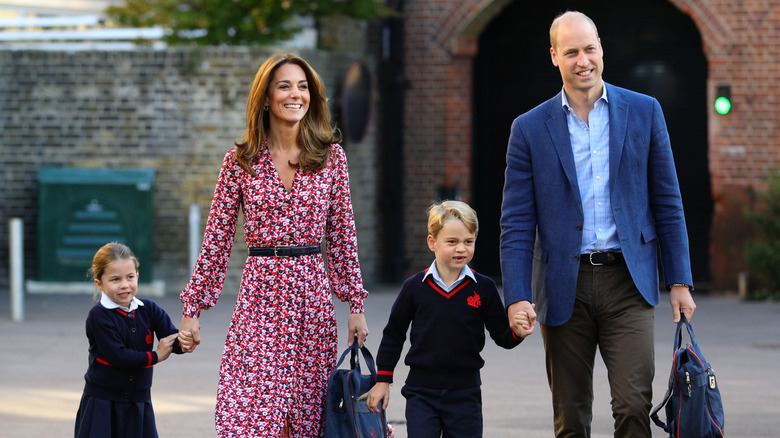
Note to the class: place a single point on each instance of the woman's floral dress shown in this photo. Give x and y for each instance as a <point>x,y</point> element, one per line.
<point>281,344</point>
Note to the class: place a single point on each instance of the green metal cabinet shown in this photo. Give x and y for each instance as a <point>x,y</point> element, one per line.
<point>80,210</point>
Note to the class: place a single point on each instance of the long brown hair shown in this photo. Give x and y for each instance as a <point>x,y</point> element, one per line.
<point>316,133</point>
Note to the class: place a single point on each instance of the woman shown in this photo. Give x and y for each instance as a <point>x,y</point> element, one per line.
<point>290,178</point>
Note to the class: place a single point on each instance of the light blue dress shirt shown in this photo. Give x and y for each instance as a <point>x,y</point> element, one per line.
<point>590,144</point>
<point>433,272</point>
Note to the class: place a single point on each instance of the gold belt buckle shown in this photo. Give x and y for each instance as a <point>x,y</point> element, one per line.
<point>276,248</point>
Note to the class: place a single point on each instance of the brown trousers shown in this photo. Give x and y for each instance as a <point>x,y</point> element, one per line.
<point>612,316</point>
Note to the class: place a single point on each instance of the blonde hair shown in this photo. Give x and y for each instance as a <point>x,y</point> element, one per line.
<point>568,15</point>
<point>107,254</point>
<point>316,133</point>
<point>440,212</point>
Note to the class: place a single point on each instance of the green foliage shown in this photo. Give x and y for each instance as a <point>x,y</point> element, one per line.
<point>763,256</point>
<point>234,22</point>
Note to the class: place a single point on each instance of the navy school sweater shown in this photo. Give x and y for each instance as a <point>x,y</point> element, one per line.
<point>121,353</point>
<point>447,332</point>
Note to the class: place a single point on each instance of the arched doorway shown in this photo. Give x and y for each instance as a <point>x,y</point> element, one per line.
<point>650,47</point>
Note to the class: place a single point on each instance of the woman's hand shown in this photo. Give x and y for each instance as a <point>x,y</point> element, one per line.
<point>189,334</point>
<point>357,326</point>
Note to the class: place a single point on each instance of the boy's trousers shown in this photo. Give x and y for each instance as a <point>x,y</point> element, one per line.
<point>445,413</point>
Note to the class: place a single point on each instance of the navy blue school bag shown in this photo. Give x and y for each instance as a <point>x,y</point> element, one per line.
<point>694,408</point>
<point>345,417</point>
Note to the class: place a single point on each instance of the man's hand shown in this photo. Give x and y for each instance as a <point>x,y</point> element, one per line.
<point>521,306</point>
<point>682,302</point>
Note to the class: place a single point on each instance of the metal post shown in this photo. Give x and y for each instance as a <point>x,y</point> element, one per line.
<point>16,256</point>
<point>195,235</point>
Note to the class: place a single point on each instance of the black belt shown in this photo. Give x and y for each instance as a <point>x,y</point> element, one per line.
<point>284,251</point>
<point>601,258</point>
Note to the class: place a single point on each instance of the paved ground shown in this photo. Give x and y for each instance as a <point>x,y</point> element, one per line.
<point>43,359</point>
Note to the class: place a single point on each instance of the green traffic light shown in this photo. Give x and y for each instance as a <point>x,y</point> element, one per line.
<point>722,105</point>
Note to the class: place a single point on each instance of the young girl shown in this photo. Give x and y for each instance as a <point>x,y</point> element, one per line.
<point>117,400</point>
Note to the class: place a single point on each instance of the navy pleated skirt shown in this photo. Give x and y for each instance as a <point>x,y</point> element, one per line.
<point>99,418</point>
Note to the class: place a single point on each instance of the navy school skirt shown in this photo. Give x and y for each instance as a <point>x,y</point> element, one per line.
<point>99,418</point>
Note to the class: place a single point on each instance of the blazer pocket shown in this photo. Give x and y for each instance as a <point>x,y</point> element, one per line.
<point>648,234</point>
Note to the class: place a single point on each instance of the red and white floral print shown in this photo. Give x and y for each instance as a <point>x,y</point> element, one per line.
<point>281,344</point>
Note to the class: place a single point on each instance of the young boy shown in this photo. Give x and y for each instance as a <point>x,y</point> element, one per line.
<point>448,306</point>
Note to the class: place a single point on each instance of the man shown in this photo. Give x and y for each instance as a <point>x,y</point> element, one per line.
<point>590,197</point>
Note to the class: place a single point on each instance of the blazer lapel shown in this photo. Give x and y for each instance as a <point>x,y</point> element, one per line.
<point>559,132</point>
<point>618,122</point>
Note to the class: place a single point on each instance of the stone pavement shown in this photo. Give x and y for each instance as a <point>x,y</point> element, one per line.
<point>43,360</point>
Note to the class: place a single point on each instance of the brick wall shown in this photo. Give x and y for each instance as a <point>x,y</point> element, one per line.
<point>740,43</point>
<point>177,111</point>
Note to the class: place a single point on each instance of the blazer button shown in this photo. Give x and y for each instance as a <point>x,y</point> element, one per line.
<point>579,227</point>
<point>576,258</point>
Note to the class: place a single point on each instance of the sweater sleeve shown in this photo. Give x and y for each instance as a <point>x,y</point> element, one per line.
<point>496,320</point>
<point>394,334</point>
<point>162,325</point>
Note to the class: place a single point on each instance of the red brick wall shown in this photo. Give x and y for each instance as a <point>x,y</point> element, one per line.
<point>739,41</point>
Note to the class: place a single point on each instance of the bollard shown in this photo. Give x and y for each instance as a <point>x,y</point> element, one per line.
<point>743,283</point>
<point>16,256</point>
<point>195,234</point>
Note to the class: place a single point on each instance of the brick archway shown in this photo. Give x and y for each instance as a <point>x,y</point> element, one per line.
<point>441,42</point>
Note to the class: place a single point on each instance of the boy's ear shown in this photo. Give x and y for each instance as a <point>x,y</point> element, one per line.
<point>431,243</point>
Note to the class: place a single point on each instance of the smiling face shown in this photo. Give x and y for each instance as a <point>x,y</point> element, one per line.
<point>288,95</point>
<point>453,246</point>
<point>578,55</point>
<point>119,281</point>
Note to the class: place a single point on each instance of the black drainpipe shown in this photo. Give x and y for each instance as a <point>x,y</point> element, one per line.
<point>391,197</point>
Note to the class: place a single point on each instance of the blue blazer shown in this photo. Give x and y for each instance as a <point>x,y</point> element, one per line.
<point>541,213</point>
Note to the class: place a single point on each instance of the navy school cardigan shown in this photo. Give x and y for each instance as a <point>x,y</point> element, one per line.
<point>121,353</point>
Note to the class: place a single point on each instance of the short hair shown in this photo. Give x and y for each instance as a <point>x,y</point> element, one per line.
<point>565,16</point>
<point>440,212</point>
<point>108,254</point>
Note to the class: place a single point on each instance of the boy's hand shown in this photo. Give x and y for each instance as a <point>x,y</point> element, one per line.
<point>165,346</point>
<point>522,323</point>
<point>379,393</point>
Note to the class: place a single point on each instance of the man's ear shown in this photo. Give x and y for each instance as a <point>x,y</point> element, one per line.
<point>553,57</point>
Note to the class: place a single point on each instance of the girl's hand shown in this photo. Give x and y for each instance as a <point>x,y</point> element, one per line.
<point>186,341</point>
<point>192,327</point>
<point>165,346</point>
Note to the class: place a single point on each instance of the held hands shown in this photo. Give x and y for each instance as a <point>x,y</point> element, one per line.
<point>189,334</point>
<point>165,346</point>
<point>522,318</point>
<point>379,393</point>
